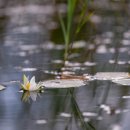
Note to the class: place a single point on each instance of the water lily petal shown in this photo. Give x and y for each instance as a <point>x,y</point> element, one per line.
<point>33,95</point>
<point>30,85</point>
<point>25,80</point>
<point>23,86</point>
<point>33,83</point>
<point>2,87</point>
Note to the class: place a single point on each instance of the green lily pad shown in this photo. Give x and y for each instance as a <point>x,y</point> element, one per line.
<point>111,75</point>
<point>122,81</point>
<point>63,83</point>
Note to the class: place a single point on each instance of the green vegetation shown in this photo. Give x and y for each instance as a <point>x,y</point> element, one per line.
<point>73,6</point>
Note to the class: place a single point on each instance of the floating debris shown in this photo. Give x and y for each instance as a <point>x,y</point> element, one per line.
<point>122,81</point>
<point>63,83</point>
<point>111,75</point>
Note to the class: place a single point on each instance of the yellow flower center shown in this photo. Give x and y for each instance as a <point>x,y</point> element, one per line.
<point>28,86</point>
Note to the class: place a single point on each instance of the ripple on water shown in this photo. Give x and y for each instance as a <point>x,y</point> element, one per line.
<point>28,69</point>
<point>66,115</point>
<point>41,122</point>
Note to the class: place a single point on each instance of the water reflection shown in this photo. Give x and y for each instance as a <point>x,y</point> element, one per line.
<point>30,95</point>
<point>27,47</point>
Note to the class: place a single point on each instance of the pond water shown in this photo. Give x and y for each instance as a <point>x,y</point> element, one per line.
<point>31,44</point>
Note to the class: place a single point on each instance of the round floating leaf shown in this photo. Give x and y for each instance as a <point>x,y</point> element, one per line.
<point>63,83</point>
<point>122,81</point>
<point>111,75</point>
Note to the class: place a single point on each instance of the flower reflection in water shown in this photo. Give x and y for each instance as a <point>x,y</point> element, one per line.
<point>27,95</point>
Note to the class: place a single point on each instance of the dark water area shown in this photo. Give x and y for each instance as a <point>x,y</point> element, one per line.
<point>31,43</point>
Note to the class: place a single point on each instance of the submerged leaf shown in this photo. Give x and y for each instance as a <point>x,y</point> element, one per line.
<point>111,75</point>
<point>63,83</point>
<point>122,81</point>
<point>2,87</point>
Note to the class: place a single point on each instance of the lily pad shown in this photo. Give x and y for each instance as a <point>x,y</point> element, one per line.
<point>63,83</point>
<point>2,87</point>
<point>122,81</point>
<point>111,75</point>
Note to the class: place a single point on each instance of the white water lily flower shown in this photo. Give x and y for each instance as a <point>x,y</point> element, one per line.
<point>30,85</point>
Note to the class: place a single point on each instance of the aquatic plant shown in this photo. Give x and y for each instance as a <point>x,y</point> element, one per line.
<point>30,85</point>
<point>67,27</point>
<point>77,112</point>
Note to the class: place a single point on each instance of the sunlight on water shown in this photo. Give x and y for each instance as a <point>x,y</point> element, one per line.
<point>88,91</point>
